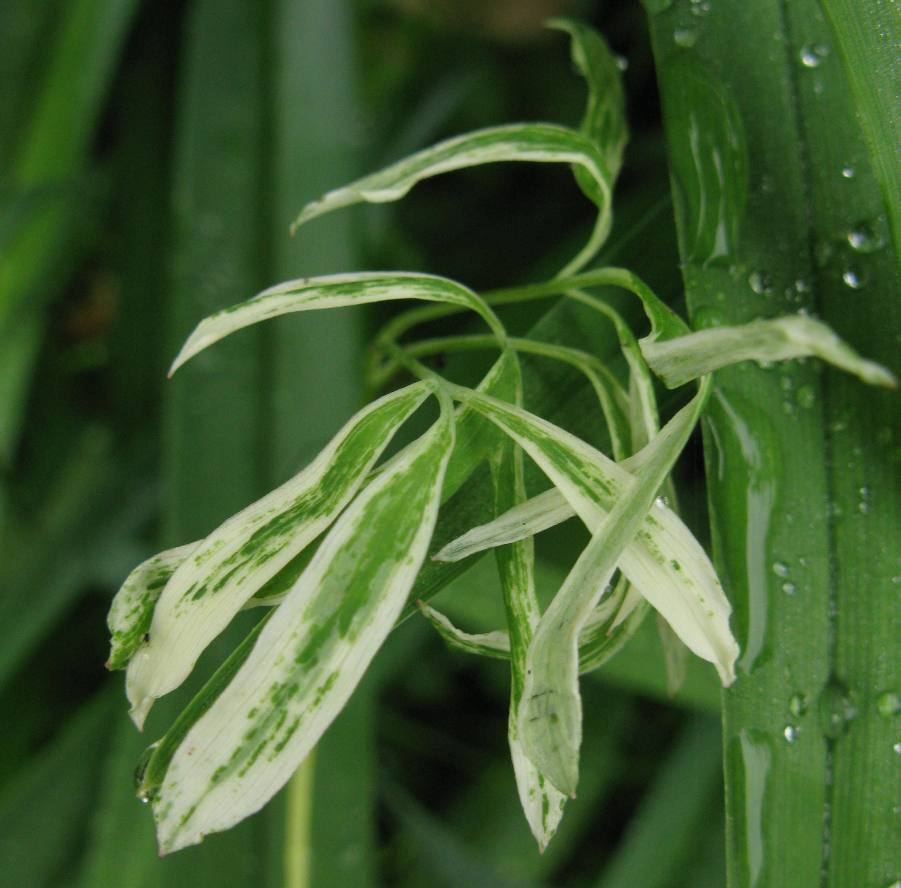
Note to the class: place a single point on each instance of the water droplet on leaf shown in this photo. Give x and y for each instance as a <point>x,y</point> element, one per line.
<point>685,37</point>
<point>888,704</point>
<point>780,568</point>
<point>813,54</point>
<point>837,710</point>
<point>760,283</point>
<point>848,171</point>
<point>790,733</point>
<point>853,278</point>
<point>797,705</point>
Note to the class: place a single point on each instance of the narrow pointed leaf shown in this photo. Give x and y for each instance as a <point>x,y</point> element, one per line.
<point>532,142</point>
<point>484,644</point>
<point>311,653</point>
<point>132,608</point>
<point>249,549</point>
<point>550,719</point>
<point>332,291</point>
<point>677,361</point>
<point>604,120</point>
<point>664,560</point>
<point>541,803</point>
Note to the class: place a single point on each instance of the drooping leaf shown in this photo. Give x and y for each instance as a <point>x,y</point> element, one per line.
<point>485,644</point>
<point>523,142</point>
<point>604,120</point>
<point>311,653</point>
<point>332,291</point>
<point>677,361</point>
<point>551,716</point>
<point>233,562</point>
<point>664,561</point>
<point>132,608</point>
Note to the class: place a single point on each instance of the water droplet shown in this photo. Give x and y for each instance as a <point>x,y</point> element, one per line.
<point>813,54</point>
<point>789,588</point>
<point>797,705</point>
<point>848,171</point>
<point>685,37</point>
<point>661,502</point>
<point>863,239</point>
<point>790,733</point>
<point>622,63</point>
<point>700,7</point>
<point>760,283</point>
<point>863,504</point>
<point>895,884</point>
<point>888,704</point>
<point>896,580</point>
<point>837,710</point>
<point>853,278</point>
<point>780,568</point>
<point>897,748</point>
<point>806,397</point>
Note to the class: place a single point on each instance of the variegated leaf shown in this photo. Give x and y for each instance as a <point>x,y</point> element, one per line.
<point>604,120</point>
<point>311,653</point>
<point>332,291</point>
<point>484,644</point>
<point>677,361</point>
<point>225,570</point>
<point>132,608</point>
<point>664,561</point>
<point>593,483</point>
<point>533,142</point>
<point>542,804</point>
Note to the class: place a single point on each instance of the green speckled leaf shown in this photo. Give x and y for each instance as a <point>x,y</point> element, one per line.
<point>250,548</point>
<point>311,653</point>
<point>677,361</point>
<point>604,120</point>
<point>332,291</point>
<point>550,718</point>
<point>132,608</point>
<point>533,142</point>
<point>664,561</point>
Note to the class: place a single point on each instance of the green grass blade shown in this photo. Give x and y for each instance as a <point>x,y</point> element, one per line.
<point>311,654</point>
<point>867,35</point>
<point>663,835</point>
<point>43,811</point>
<point>809,774</point>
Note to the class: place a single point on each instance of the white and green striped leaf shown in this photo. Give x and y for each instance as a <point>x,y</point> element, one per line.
<point>527,142</point>
<point>604,120</point>
<point>227,568</point>
<point>550,720</point>
<point>542,804</point>
<point>677,361</point>
<point>311,653</point>
<point>664,560</point>
<point>483,644</point>
<point>132,609</point>
<point>333,291</point>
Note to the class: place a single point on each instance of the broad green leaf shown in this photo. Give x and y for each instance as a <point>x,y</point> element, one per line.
<point>132,609</point>
<point>868,35</point>
<point>604,120</point>
<point>332,291</point>
<point>677,361</point>
<point>532,142</point>
<point>245,552</point>
<point>789,449</point>
<point>311,653</point>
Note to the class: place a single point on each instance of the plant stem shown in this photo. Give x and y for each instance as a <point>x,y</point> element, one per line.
<point>298,825</point>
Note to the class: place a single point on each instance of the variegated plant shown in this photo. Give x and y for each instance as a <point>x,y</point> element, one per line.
<point>335,551</point>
